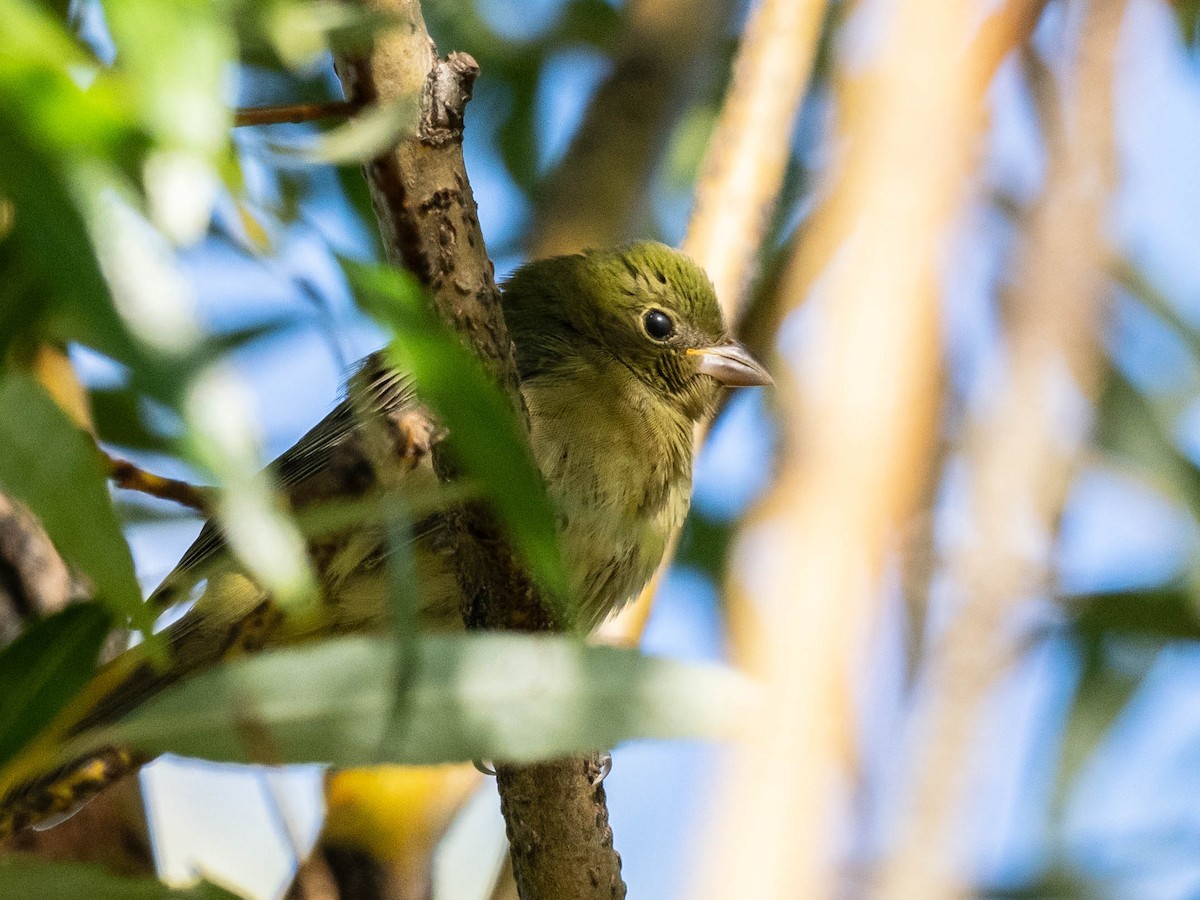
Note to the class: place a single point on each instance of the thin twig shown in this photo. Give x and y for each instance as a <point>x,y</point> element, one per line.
<point>294,112</point>
<point>1020,456</point>
<point>131,477</point>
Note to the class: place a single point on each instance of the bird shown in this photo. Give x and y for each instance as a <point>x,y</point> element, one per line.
<point>619,352</point>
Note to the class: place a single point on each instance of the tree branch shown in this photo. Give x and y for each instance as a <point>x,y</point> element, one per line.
<point>593,197</point>
<point>427,216</point>
<point>131,477</point>
<point>293,112</point>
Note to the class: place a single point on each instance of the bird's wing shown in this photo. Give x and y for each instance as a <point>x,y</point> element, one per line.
<point>378,390</point>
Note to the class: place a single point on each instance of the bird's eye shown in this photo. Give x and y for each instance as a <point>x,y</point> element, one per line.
<point>658,325</point>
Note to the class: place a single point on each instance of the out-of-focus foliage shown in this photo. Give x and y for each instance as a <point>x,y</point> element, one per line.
<point>69,881</point>
<point>469,697</point>
<point>43,669</point>
<point>53,467</point>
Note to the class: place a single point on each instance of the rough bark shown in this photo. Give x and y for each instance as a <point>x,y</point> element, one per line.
<point>559,846</point>
<point>427,216</point>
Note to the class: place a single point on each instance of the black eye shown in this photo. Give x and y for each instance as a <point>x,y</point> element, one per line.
<point>658,325</point>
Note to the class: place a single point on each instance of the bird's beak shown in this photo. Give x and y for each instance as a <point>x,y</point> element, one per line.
<point>731,364</point>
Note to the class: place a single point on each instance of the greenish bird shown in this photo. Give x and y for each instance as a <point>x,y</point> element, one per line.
<point>620,353</point>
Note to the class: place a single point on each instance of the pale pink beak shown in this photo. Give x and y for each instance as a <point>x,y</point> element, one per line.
<point>732,365</point>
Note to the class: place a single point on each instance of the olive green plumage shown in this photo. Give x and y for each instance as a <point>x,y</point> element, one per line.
<point>620,353</point>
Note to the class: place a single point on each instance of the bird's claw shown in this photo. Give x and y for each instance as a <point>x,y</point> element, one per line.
<point>605,766</point>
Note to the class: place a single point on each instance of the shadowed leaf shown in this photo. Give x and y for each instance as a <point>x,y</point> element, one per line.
<point>43,669</point>
<point>52,466</point>
<point>70,881</point>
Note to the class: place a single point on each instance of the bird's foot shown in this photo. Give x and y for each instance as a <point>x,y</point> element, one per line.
<point>605,766</point>
<point>413,433</point>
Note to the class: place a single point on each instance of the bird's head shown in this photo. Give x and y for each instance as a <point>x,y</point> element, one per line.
<point>644,308</point>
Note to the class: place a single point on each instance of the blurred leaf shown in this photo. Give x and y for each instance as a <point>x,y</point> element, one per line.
<point>517,134</point>
<point>483,430</point>
<point>705,545</point>
<point>358,195</point>
<point>70,881</point>
<point>591,22</point>
<point>495,696</point>
<point>50,241</point>
<point>137,509</point>
<point>44,668</point>
<point>119,420</point>
<point>330,516</point>
<point>369,133</point>
<point>1056,884</point>
<point>1165,613</point>
<point>1187,12</point>
<point>1100,699</point>
<point>1100,623</point>
<point>52,466</point>
<point>301,33</point>
<point>1134,281</point>
<point>224,438</point>
<point>1130,427</point>
<point>177,57</point>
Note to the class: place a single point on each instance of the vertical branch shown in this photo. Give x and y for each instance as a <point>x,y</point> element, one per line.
<point>857,430</point>
<point>592,196</point>
<point>427,216</point>
<point>1020,459</point>
<point>747,154</point>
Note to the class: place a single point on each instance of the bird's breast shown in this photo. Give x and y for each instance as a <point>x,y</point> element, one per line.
<point>620,489</point>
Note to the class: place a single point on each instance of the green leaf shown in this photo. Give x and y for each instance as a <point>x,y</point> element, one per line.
<point>496,696</point>
<point>52,466</point>
<point>48,242</point>
<point>1133,429</point>
<point>70,881</point>
<point>371,132</point>
<point>254,517</point>
<point>1057,883</point>
<point>119,420</point>
<point>1165,614</point>
<point>1187,13</point>
<point>177,57</point>
<point>705,544</point>
<point>301,33</point>
<point>483,430</point>
<point>1141,287</point>
<point>44,668</point>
